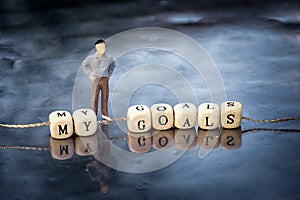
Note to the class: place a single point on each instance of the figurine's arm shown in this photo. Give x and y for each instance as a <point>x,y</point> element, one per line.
<point>111,68</point>
<point>87,68</point>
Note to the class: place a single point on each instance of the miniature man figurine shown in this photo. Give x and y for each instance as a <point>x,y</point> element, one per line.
<point>99,67</point>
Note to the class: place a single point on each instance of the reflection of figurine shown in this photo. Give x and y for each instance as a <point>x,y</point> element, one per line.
<point>100,173</point>
<point>99,67</point>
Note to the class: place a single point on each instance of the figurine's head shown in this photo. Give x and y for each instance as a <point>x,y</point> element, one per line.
<point>100,46</point>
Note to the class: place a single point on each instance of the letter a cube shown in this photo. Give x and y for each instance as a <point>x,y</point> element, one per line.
<point>61,124</point>
<point>208,116</point>
<point>185,115</point>
<point>85,122</point>
<point>138,118</point>
<point>231,114</point>
<point>162,116</point>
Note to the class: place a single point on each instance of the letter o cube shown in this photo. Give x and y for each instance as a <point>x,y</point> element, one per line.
<point>162,116</point>
<point>208,116</point>
<point>231,114</point>
<point>85,122</point>
<point>185,115</point>
<point>138,118</point>
<point>61,124</point>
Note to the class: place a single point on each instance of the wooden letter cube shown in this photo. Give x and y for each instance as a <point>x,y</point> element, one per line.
<point>61,124</point>
<point>138,118</point>
<point>185,115</point>
<point>62,149</point>
<point>162,116</point>
<point>85,122</point>
<point>208,116</point>
<point>231,114</point>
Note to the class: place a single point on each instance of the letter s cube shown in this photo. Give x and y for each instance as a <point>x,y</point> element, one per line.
<point>231,114</point>
<point>61,124</point>
<point>138,118</point>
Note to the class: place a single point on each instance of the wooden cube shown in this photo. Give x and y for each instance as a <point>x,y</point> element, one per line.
<point>61,124</point>
<point>185,115</point>
<point>62,149</point>
<point>208,139</point>
<point>185,138</point>
<point>162,139</point>
<point>139,143</point>
<point>231,114</point>
<point>87,145</point>
<point>162,116</point>
<point>85,122</point>
<point>231,138</point>
<point>138,118</point>
<point>208,116</point>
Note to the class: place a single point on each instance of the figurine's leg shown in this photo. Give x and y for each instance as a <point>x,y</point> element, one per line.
<point>95,94</point>
<point>104,95</point>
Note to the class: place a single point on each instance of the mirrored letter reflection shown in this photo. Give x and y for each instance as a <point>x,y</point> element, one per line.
<point>139,142</point>
<point>185,139</point>
<point>231,138</point>
<point>62,149</point>
<point>162,139</point>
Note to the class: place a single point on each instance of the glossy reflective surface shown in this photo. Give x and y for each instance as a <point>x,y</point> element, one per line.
<point>255,47</point>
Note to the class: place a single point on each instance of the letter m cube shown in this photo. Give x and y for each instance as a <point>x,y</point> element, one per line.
<point>61,124</point>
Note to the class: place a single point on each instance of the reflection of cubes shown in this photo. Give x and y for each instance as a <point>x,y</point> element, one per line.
<point>162,116</point>
<point>162,139</point>
<point>208,116</point>
<point>208,139</point>
<point>185,138</point>
<point>85,122</point>
<point>231,139</point>
<point>138,118</point>
<point>61,124</point>
<point>185,115</point>
<point>231,114</point>
<point>139,143</point>
<point>85,146</point>
<point>62,149</point>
